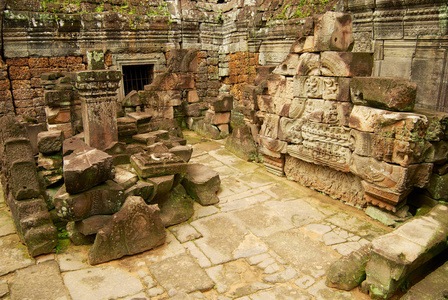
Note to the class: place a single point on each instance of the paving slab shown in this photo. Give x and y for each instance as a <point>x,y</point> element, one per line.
<point>37,282</point>
<point>185,232</point>
<point>282,292</point>
<point>298,211</point>
<point>263,221</point>
<point>182,274</point>
<point>6,223</point>
<point>356,225</point>
<point>221,237</point>
<point>101,283</point>
<point>13,255</point>
<point>304,254</point>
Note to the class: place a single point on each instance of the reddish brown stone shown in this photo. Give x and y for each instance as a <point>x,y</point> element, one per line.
<point>202,184</point>
<point>38,62</point>
<point>137,227</point>
<point>19,72</point>
<point>49,142</point>
<point>333,31</point>
<point>17,61</point>
<point>346,64</point>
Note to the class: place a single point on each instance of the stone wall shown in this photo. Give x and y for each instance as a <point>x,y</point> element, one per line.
<point>409,39</point>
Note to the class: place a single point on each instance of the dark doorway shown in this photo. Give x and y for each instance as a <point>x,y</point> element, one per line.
<point>135,77</point>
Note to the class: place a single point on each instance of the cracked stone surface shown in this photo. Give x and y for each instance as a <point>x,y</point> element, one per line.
<point>267,238</point>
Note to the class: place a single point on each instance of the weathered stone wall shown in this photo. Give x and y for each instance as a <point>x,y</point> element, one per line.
<point>409,39</point>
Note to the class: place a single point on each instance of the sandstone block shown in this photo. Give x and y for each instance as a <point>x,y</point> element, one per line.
<point>183,152</point>
<point>270,126</point>
<point>384,92</point>
<point>143,189</point>
<point>33,224</point>
<point>215,118</point>
<point>17,150</point>
<point>125,178</point>
<point>333,32</point>
<point>137,227</point>
<point>162,186</point>
<point>157,164</point>
<point>346,64</point>
<point>103,199</point>
<point>289,66</point>
<point>396,254</point>
<point>304,44</point>
<point>74,144</point>
<point>193,96</point>
<point>77,237</point>
<point>241,142</point>
<point>438,186</point>
<point>131,100</point>
<point>202,184</point>
<point>126,126</point>
<point>223,103</point>
<point>23,180</point>
<point>309,65</point>
<point>92,224</point>
<point>58,115</point>
<point>176,208</point>
<point>66,128</point>
<point>84,170</point>
<point>349,271</point>
<point>274,145</point>
<point>50,142</point>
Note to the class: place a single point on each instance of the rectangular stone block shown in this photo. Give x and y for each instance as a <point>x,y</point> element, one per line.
<point>304,44</point>
<point>58,115</point>
<point>23,181</point>
<point>223,103</point>
<point>157,164</point>
<point>270,126</point>
<point>104,199</point>
<point>384,92</point>
<point>50,142</point>
<point>333,32</point>
<point>289,66</point>
<point>84,170</point>
<point>346,64</point>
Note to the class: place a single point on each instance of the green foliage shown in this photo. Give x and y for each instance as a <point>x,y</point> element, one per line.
<point>99,8</point>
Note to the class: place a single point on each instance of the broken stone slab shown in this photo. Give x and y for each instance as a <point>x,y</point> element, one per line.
<point>333,32</point>
<point>84,170</point>
<point>136,228</point>
<point>23,180</point>
<point>92,224</point>
<point>74,144</point>
<point>125,178</point>
<point>385,217</point>
<point>183,152</point>
<point>131,100</point>
<point>140,117</point>
<point>202,184</point>
<point>34,225</point>
<point>126,126</point>
<point>176,208</point>
<point>77,237</point>
<point>157,164</point>
<point>223,103</point>
<point>397,94</point>
<point>49,142</point>
<point>349,271</point>
<point>346,64</point>
<point>104,199</point>
<point>152,137</point>
<point>17,150</point>
<point>396,254</point>
<point>388,123</point>
<point>143,189</point>
<point>162,186</point>
<point>216,118</point>
<point>241,143</point>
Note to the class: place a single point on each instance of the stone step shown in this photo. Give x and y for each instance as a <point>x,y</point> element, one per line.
<point>397,254</point>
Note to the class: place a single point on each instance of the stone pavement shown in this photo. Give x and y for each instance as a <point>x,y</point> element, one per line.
<point>267,238</point>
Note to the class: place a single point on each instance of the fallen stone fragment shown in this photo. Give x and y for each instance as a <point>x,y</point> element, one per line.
<point>23,180</point>
<point>183,152</point>
<point>223,103</point>
<point>104,199</point>
<point>349,271</point>
<point>346,64</point>
<point>202,184</point>
<point>146,190</point>
<point>162,185</point>
<point>175,208</point>
<point>137,227</point>
<point>84,170</point>
<point>92,224</point>
<point>49,142</point>
<point>396,94</point>
<point>125,178</point>
<point>74,144</point>
<point>77,237</point>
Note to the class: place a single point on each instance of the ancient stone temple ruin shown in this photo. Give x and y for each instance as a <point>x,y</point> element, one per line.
<point>348,98</point>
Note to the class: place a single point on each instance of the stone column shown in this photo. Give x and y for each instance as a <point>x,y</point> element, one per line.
<point>97,89</point>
